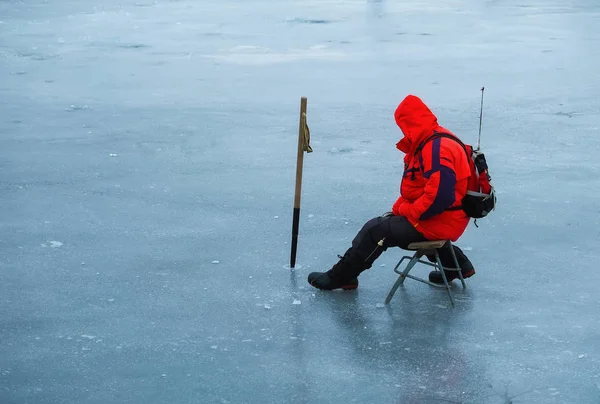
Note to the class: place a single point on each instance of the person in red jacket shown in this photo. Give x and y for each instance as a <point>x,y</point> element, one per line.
<point>435,179</point>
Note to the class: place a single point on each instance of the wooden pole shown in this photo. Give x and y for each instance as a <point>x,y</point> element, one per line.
<point>297,196</point>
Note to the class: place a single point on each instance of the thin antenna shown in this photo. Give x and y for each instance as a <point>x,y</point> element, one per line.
<point>480,118</point>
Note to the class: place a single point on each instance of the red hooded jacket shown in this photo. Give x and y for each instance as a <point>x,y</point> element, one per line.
<point>433,180</point>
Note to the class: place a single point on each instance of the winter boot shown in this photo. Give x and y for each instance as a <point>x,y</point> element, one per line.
<point>326,281</point>
<point>436,276</point>
<point>342,275</point>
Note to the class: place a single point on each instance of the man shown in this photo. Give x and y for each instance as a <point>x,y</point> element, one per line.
<point>436,173</point>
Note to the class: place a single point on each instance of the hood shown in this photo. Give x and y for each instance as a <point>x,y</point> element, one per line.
<point>415,120</point>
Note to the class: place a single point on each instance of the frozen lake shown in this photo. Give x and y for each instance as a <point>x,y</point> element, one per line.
<point>147,167</point>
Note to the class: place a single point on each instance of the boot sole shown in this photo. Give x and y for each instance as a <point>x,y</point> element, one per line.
<point>343,287</point>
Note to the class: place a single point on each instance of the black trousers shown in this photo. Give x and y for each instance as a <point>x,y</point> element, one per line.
<point>395,231</point>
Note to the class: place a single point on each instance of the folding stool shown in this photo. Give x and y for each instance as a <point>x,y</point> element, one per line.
<point>426,248</point>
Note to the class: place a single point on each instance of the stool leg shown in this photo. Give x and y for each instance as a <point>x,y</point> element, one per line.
<point>439,263</point>
<point>410,265</point>
<point>402,277</point>
<point>462,280</point>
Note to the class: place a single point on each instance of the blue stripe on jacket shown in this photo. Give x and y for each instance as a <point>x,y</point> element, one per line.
<point>445,196</point>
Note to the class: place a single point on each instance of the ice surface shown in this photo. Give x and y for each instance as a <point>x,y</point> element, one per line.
<point>152,137</point>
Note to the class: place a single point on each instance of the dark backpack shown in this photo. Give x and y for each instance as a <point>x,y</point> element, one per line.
<point>480,198</point>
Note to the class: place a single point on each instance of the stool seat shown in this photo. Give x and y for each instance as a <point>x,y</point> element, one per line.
<point>427,245</point>
<point>431,250</point>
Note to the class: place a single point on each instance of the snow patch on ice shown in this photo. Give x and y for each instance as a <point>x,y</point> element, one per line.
<point>72,108</point>
<point>299,20</point>
<point>258,55</point>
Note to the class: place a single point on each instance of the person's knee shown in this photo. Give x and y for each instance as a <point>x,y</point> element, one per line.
<point>370,225</point>
<point>378,230</point>
<point>376,221</point>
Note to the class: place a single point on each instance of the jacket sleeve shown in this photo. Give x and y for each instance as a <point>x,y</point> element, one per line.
<point>437,163</point>
<point>397,205</point>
